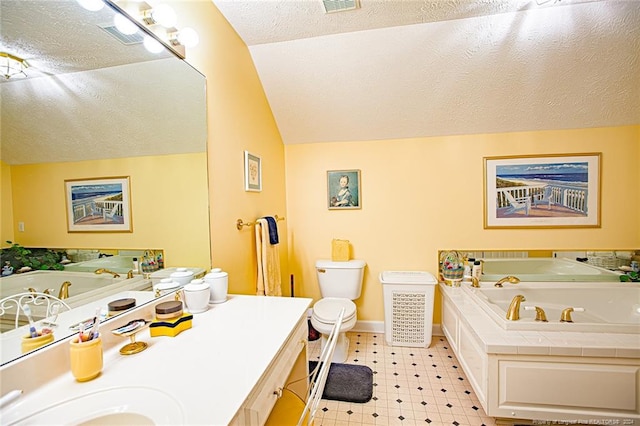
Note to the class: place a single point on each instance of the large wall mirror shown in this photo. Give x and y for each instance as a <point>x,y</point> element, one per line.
<point>93,94</point>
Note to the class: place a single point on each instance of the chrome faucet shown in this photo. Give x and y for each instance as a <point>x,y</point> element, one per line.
<point>64,290</point>
<point>513,313</point>
<point>103,271</point>
<point>510,279</point>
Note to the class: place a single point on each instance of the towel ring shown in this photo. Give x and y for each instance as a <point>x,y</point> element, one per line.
<point>240,223</point>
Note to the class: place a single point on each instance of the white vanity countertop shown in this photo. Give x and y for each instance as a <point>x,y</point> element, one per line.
<point>497,340</point>
<point>210,369</point>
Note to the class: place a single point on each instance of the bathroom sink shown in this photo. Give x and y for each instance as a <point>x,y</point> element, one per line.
<point>127,405</point>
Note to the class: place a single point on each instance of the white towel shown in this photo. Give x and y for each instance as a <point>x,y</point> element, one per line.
<point>268,255</point>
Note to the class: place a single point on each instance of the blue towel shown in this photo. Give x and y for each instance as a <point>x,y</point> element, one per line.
<point>273,229</point>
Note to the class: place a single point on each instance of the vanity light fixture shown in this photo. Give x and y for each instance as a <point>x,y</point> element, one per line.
<point>152,45</point>
<point>124,25</point>
<point>187,37</point>
<point>161,14</point>
<point>92,5</point>
<point>12,66</point>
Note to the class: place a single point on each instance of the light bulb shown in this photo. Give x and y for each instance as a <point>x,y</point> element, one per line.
<point>164,15</point>
<point>188,37</point>
<point>124,25</point>
<point>152,45</point>
<point>92,5</point>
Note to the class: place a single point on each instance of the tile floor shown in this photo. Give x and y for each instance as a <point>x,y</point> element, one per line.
<point>411,386</point>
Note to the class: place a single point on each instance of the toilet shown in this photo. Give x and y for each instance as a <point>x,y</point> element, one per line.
<point>340,283</point>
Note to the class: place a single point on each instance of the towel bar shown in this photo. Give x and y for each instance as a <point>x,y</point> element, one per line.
<point>240,223</point>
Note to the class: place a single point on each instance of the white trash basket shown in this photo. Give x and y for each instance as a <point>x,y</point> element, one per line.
<point>408,307</point>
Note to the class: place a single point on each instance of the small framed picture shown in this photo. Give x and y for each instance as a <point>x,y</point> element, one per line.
<point>343,189</point>
<point>252,172</point>
<point>98,205</point>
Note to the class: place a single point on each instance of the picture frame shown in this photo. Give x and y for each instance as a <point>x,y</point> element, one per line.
<point>252,172</point>
<point>542,191</point>
<point>344,189</point>
<point>99,204</point>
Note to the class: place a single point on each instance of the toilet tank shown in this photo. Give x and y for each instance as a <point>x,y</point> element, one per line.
<point>340,279</point>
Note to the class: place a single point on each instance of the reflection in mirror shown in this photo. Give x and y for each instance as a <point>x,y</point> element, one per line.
<point>91,95</point>
<point>538,265</point>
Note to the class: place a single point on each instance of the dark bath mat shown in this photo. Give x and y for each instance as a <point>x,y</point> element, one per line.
<point>347,382</point>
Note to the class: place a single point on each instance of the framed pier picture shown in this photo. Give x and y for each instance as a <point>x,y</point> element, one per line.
<point>98,205</point>
<point>542,191</point>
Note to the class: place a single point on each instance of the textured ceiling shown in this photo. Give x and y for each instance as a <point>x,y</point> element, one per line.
<point>88,95</point>
<point>401,69</point>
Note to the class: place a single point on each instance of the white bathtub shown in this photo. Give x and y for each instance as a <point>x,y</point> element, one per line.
<point>84,285</point>
<point>119,264</point>
<point>608,307</point>
<point>545,269</point>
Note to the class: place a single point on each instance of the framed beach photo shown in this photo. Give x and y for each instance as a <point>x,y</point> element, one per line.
<point>343,189</point>
<point>98,204</point>
<point>252,172</point>
<point>548,191</point>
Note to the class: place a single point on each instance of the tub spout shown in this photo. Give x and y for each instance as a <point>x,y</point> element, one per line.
<point>513,313</point>
<point>64,290</point>
<point>510,279</point>
<point>106,271</point>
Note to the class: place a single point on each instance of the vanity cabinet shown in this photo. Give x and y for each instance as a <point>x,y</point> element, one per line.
<point>290,364</point>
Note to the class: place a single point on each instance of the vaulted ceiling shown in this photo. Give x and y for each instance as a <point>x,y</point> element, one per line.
<point>403,68</point>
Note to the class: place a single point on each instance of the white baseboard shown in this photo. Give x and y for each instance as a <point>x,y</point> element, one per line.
<point>378,326</point>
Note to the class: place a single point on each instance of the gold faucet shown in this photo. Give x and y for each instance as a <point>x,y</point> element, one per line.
<point>103,270</point>
<point>130,274</point>
<point>64,290</point>
<point>513,313</point>
<point>475,283</point>
<point>48,291</point>
<point>540,315</point>
<point>511,279</point>
<point>565,316</point>
<point>31,290</point>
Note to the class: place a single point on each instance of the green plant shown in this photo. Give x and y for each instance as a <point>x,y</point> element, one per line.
<point>37,258</point>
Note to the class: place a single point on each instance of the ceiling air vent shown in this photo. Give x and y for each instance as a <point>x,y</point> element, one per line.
<point>331,6</point>
<point>127,39</point>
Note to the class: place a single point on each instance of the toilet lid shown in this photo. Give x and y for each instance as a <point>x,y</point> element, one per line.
<point>328,309</point>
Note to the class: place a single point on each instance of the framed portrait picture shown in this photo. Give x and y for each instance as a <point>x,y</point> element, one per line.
<point>547,191</point>
<point>252,172</point>
<point>344,189</point>
<point>98,204</point>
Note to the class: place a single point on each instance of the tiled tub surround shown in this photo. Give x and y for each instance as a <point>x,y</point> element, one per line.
<point>543,375</point>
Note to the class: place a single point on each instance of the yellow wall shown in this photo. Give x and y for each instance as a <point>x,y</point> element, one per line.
<point>168,213</point>
<point>239,118</point>
<point>424,194</point>
<point>6,206</point>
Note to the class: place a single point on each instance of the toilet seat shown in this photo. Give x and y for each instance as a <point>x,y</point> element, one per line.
<point>326,310</point>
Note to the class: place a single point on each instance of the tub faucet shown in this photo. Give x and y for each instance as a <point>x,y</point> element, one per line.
<point>103,271</point>
<point>64,290</point>
<point>565,316</point>
<point>130,274</point>
<point>540,314</point>
<point>513,313</point>
<point>511,279</point>
<point>475,283</point>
